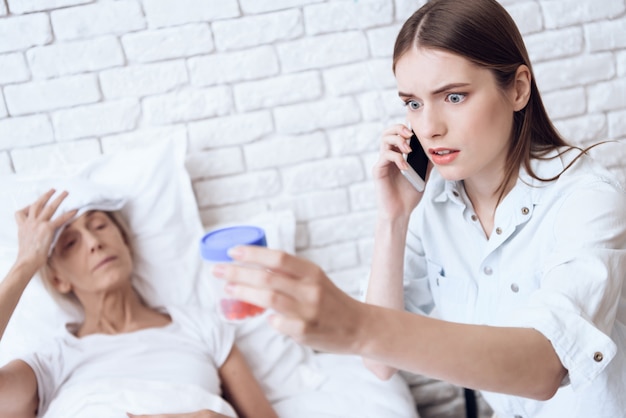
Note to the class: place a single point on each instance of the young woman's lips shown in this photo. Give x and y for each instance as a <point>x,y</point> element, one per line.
<point>103,262</point>
<point>441,156</point>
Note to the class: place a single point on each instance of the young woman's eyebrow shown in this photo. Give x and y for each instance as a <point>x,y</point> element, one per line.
<point>447,87</point>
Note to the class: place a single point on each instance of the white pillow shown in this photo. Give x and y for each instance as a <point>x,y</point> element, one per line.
<point>165,227</point>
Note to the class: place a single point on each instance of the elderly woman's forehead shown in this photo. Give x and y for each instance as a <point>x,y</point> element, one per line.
<point>85,217</point>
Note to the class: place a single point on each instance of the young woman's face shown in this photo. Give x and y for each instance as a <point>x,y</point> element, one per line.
<point>91,255</point>
<point>462,119</point>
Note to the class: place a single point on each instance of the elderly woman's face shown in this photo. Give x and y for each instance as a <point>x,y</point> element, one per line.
<point>91,255</point>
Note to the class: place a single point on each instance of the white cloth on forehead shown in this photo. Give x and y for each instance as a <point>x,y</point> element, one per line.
<point>83,194</point>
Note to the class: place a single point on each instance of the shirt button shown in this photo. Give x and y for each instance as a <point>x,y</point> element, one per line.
<point>455,193</point>
<point>518,416</point>
<point>498,230</point>
<point>474,218</point>
<point>514,287</point>
<point>488,271</point>
<point>525,211</point>
<point>598,356</point>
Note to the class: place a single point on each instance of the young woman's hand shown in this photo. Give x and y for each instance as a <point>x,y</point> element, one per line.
<point>396,196</point>
<point>205,413</point>
<point>308,306</point>
<point>36,229</point>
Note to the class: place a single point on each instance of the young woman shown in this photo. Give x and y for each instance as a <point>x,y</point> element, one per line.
<point>120,336</point>
<point>516,249</point>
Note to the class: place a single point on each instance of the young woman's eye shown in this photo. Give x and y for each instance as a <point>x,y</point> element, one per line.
<point>455,97</point>
<point>413,104</point>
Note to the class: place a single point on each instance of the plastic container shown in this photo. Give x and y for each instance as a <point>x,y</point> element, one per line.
<point>214,247</point>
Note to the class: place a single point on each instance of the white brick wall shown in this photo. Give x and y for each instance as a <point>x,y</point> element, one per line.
<point>281,101</point>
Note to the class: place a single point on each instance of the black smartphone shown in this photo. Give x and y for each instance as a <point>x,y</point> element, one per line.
<point>418,161</point>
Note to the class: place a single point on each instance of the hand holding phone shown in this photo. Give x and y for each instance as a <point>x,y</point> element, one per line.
<point>418,163</point>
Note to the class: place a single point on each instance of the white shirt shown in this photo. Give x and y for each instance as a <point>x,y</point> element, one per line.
<point>189,350</point>
<point>555,262</point>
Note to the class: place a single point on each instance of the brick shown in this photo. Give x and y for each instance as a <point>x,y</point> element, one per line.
<point>617,124</point>
<point>359,77</point>
<point>557,14</point>
<point>322,175</point>
<point>565,103</point>
<point>583,130</point>
<point>3,108</point>
<point>47,95</point>
<point>237,189</point>
<point>187,105</point>
<point>233,67</point>
<point>6,168</point>
<point>612,155</point>
<point>333,257</point>
<point>251,31</point>
<point>14,68</point>
<point>381,41</point>
<point>366,252</point>
<point>610,95</point>
<point>527,16</point>
<point>621,63</point>
<point>302,236</point>
<point>240,212</point>
<point>25,131</point>
<point>307,117</point>
<point>75,57</point>
<point>215,162</point>
<point>96,120</point>
<point>363,196</point>
<point>554,44</point>
<point>381,105</point>
<point>143,137</point>
<point>262,6</point>
<point>110,17</point>
<point>29,6</point>
<point>229,130</point>
<point>285,150</point>
<point>355,139</point>
<point>161,13</point>
<point>575,71</point>
<point>314,205</point>
<point>268,93</point>
<point>46,158</point>
<point>339,16</point>
<point>606,35</point>
<point>349,227</point>
<point>162,44</point>
<point>369,160</point>
<point>405,8</point>
<point>22,32</point>
<point>312,53</point>
<point>143,80</point>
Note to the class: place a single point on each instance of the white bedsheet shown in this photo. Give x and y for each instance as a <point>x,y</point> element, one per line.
<point>113,398</point>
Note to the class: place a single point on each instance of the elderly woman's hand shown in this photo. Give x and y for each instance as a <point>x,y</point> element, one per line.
<point>36,229</point>
<point>308,306</point>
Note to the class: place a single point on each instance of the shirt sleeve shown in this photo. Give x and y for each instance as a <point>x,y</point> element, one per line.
<point>47,363</point>
<point>417,294</point>
<point>576,304</point>
<point>218,335</point>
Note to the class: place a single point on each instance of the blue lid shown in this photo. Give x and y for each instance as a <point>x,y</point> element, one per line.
<point>214,245</point>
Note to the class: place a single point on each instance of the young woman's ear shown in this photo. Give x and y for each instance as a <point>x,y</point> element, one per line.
<point>520,93</point>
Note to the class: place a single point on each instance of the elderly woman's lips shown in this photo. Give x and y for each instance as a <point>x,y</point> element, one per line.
<point>103,262</point>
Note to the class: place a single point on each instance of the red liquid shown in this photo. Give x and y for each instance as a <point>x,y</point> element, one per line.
<point>235,309</point>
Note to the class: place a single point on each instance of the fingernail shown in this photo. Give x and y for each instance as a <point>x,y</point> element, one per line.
<point>406,130</point>
<point>235,252</point>
<point>219,270</point>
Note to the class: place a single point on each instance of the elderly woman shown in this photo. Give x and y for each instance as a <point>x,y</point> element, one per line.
<point>120,336</point>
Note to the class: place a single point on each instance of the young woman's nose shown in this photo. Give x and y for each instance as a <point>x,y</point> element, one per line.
<point>430,124</point>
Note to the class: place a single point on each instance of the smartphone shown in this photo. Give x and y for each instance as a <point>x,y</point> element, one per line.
<point>418,163</point>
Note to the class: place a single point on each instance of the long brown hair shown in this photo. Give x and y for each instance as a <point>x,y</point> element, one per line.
<point>484,33</point>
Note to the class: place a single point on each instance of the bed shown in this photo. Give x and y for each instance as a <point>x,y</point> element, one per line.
<point>163,215</point>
